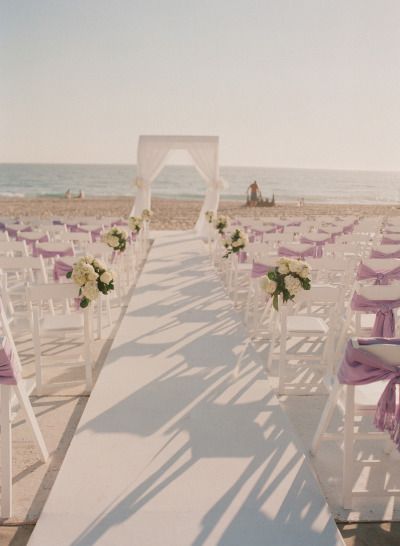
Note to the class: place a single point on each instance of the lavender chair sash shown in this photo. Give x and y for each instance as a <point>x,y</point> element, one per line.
<point>389,241</point>
<point>10,371</point>
<point>288,252</point>
<point>259,270</point>
<point>348,229</point>
<point>319,244</point>
<point>60,269</point>
<point>12,232</point>
<point>242,256</point>
<point>260,232</point>
<point>379,254</point>
<point>360,367</point>
<point>365,272</point>
<point>393,230</point>
<point>95,233</point>
<point>384,325</point>
<point>38,251</point>
<point>30,241</point>
<point>333,234</point>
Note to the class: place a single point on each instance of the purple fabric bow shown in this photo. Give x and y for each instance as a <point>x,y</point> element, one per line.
<point>384,325</point>
<point>9,369</point>
<point>259,270</point>
<point>37,251</point>
<point>379,254</point>
<point>390,241</point>
<point>288,252</point>
<point>381,277</point>
<point>360,367</point>
<point>61,269</point>
<point>319,244</point>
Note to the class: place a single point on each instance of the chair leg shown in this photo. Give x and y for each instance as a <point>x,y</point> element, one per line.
<point>31,420</point>
<point>348,445</point>
<point>6,452</point>
<point>325,418</point>
<point>37,352</point>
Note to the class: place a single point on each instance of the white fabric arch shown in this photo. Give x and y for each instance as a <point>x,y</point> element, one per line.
<point>152,155</point>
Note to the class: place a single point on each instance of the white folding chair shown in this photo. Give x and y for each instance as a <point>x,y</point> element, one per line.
<point>80,240</point>
<point>359,322</point>
<point>13,395</point>
<point>16,271</point>
<point>355,401</point>
<point>13,248</point>
<point>60,323</point>
<point>307,325</point>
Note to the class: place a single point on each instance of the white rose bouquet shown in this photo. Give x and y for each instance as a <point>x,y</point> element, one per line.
<point>116,238</point>
<point>209,214</point>
<point>235,243</point>
<point>135,223</point>
<point>147,215</point>
<point>286,279</point>
<point>221,223</point>
<point>92,277</point>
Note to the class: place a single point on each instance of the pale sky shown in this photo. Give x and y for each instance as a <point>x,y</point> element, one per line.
<point>300,83</point>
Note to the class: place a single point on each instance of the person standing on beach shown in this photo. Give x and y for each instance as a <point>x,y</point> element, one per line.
<point>255,193</point>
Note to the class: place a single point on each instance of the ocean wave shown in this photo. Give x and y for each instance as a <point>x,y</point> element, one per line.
<point>11,194</point>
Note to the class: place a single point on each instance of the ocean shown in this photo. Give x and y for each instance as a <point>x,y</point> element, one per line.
<point>184,182</point>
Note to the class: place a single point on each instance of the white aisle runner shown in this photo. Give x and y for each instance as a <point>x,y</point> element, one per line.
<point>171,451</point>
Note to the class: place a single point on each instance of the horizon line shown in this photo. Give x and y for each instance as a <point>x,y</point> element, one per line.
<point>272,167</point>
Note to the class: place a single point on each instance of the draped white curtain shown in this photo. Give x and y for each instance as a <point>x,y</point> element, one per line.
<point>205,158</point>
<point>151,160</point>
<point>152,155</point>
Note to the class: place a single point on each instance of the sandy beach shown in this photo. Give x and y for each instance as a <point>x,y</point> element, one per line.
<point>174,213</point>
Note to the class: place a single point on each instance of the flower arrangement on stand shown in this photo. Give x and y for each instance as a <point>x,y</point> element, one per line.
<point>135,223</point>
<point>93,279</point>
<point>235,243</point>
<point>116,238</point>
<point>220,224</point>
<point>286,280</point>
